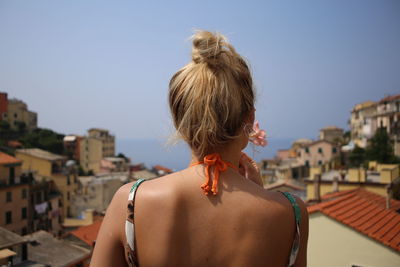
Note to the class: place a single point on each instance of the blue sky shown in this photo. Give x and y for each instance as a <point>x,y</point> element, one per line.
<point>83,64</point>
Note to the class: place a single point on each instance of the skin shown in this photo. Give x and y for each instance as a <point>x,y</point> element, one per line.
<point>177,225</point>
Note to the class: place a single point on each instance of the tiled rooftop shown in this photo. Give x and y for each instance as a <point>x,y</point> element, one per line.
<point>40,153</point>
<point>162,168</point>
<point>88,234</point>
<point>7,159</point>
<point>54,252</point>
<point>365,212</point>
<point>9,239</point>
<point>389,98</point>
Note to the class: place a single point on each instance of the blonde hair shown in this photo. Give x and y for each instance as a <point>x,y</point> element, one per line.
<point>211,96</point>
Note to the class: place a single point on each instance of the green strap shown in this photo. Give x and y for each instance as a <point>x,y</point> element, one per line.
<point>297,211</point>
<point>136,184</point>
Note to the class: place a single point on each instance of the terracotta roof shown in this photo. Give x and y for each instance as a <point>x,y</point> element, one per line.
<point>88,234</point>
<point>40,153</point>
<point>7,159</point>
<point>389,98</point>
<point>363,105</point>
<point>162,168</point>
<point>365,212</point>
<point>14,143</point>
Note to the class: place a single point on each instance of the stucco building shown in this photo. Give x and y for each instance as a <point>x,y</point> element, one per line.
<point>15,111</point>
<point>363,123</point>
<point>51,167</point>
<point>14,192</point>
<point>97,145</point>
<point>96,192</point>
<point>332,134</point>
<point>354,228</point>
<point>376,179</point>
<point>317,153</point>
<point>388,116</point>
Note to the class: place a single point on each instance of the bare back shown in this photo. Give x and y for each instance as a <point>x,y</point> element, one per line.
<point>244,225</point>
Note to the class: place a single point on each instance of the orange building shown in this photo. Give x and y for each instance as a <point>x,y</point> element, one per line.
<point>14,192</point>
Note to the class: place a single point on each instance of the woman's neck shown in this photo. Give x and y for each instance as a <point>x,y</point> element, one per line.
<point>229,154</point>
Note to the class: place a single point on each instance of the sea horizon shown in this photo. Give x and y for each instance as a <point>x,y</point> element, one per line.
<point>153,152</point>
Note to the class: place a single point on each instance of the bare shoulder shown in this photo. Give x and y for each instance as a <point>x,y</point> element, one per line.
<point>285,206</point>
<point>109,249</point>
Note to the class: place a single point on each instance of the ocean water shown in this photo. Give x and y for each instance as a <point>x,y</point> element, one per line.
<point>177,157</point>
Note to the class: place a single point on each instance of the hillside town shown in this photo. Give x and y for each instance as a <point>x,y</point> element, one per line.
<point>55,189</point>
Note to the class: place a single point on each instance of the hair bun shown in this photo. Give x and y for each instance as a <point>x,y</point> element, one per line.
<point>208,46</point>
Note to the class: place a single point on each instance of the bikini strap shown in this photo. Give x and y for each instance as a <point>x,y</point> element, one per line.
<point>130,225</point>
<point>296,208</point>
<point>213,160</point>
<point>296,241</point>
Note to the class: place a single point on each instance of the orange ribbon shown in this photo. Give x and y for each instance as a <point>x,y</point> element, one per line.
<point>213,160</point>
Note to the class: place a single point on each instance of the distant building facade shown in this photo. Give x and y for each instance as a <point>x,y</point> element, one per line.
<point>14,193</point>
<point>51,167</point>
<point>45,207</point>
<point>363,123</point>
<point>16,112</point>
<point>331,134</point>
<point>97,145</point>
<point>388,117</point>
<point>72,146</point>
<point>96,192</point>
<point>376,179</point>
<point>318,153</point>
<point>108,141</point>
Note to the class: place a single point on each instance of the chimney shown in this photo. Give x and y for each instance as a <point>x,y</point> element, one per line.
<point>335,184</point>
<point>317,187</point>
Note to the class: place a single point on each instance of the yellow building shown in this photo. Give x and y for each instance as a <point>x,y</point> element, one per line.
<point>17,111</point>
<point>14,192</point>
<point>91,153</point>
<point>376,180</point>
<point>97,145</point>
<point>51,166</point>
<point>108,141</point>
<point>354,228</point>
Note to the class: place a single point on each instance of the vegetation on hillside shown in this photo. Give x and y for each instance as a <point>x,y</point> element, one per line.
<point>45,139</point>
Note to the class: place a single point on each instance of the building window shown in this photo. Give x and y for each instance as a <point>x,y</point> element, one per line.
<point>15,115</point>
<point>334,150</point>
<point>8,217</point>
<point>12,175</point>
<point>68,196</point>
<point>24,213</point>
<point>307,163</point>
<point>320,150</point>
<point>68,180</point>
<point>38,197</point>
<point>319,162</point>
<point>307,150</point>
<point>9,197</point>
<point>24,193</point>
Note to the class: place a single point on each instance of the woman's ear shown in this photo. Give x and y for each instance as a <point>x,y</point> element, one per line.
<point>251,117</point>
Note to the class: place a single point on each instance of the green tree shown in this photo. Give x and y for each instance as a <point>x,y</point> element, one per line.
<point>45,139</point>
<point>380,148</point>
<point>357,157</point>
